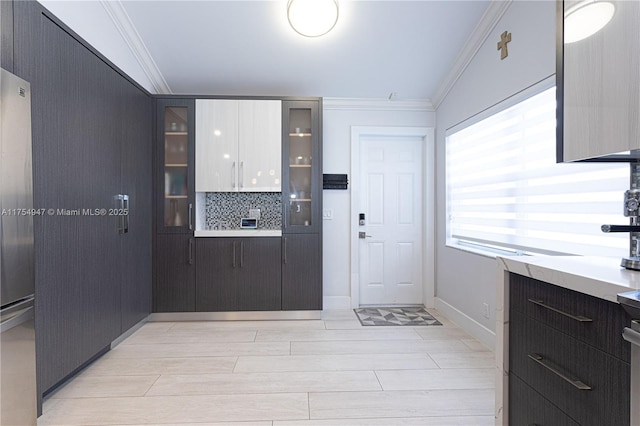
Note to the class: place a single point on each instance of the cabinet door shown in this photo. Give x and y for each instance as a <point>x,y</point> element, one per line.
<point>259,275</point>
<point>302,171</point>
<point>260,146</point>
<point>238,274</point>
<point>599,86</point>
<point>175,175</point>
<point>217,161</point>
<point>174,288</point>
<point>301,272</point>
<point>216,274</point>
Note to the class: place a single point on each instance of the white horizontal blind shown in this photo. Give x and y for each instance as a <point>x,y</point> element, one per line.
<point>505,189</point>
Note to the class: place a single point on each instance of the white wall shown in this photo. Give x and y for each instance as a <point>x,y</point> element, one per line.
<point>338,118</point>
<point>464,281</point>
<point>91,21</point>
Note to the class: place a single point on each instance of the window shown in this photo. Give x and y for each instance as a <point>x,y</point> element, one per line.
<point>505,190</point>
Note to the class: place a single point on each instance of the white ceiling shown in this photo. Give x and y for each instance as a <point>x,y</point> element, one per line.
<point>247,48</point>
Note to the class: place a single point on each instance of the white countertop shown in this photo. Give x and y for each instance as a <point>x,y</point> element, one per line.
<point>601,277</point>
<point>239,233</point>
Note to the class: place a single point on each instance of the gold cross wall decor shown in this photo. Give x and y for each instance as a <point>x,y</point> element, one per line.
<point>505,38</point>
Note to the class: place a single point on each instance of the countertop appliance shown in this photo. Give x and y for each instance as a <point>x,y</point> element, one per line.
<point>18,395</point>
<point>630,301</point>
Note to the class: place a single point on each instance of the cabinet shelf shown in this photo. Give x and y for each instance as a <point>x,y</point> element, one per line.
<point>176,165</point>
<point>296,200</point>
<point>176,133</point>
<point>300,166</point>
<point>176,197</point>
<point>300,135</point>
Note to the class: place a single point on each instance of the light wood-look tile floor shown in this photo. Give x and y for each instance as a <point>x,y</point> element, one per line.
<point>283,373</point>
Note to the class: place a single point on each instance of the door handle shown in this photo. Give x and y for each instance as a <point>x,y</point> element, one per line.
<point>190,216</point>
<point>362,235</point>
<point>241,175</point>
<point>284,250</point>
<point>233,175</point>
<point>125,213</point>
<point>234,254</point>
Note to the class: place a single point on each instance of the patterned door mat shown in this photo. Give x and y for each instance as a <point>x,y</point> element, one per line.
<point>413,316</point>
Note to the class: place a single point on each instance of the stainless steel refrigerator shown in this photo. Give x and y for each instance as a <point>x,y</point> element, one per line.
<point>17,347</point>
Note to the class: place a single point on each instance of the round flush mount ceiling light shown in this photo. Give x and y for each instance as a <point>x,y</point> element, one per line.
<point>586,18</point>
<point>312,18</point>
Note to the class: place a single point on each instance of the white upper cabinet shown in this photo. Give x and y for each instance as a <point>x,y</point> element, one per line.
<point>238,145</point>
<point>600,94</point>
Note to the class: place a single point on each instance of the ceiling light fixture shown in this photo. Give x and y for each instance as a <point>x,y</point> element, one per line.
<point>586,18</point>
<point>312,18</point>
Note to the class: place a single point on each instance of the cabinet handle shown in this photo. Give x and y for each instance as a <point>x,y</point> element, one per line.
<point>579,318</point>
<point>190,216</point>
<point>241,254</point>
<point>234,254</point>
<point>125,213</point>
<point>233,175</point>
<point>284,250</point>
<point>558,372</point>
<point>190,251</point>
<point>241,175</point>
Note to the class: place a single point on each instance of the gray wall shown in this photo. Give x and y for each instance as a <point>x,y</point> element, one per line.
<point>464,281</point>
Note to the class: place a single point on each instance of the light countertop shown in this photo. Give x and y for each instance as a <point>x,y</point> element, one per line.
<point>601,277</point>
<point>239,233</point>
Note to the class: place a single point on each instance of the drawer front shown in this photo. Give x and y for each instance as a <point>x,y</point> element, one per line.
<point>589,319</point>
<point>607,402</point>
<point>528,407</point>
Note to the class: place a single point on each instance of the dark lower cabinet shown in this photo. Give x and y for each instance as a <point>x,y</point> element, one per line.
<point>528,407</point>
<point>563,365</point>
<point>301,272</point>
<point>175,284</point>
<point>238,274</point>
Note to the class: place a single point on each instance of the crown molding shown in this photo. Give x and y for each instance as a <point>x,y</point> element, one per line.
<point>127,30</point>
<point>478,36</point>
<point>372,104</point>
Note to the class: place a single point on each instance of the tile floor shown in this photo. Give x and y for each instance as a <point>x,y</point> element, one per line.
<point>327,372</point>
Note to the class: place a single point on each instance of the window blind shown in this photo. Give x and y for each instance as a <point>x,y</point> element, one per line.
<point>505,189</point>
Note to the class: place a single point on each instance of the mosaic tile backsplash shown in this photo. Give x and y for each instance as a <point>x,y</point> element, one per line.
<point>223,210</point>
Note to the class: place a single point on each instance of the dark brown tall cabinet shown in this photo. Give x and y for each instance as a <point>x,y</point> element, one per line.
<point>92,134</point>
<point>175,270</point>
<point>302,205</point>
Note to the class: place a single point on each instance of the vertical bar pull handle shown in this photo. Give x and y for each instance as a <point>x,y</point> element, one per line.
<point>233,175</point>
<point>190,216</point>
<point>241,175</point>
<point>234,254</point>
<point>242,254</point>
<point>125,213</point>
<point>190,259</point>
<point>284,250</point>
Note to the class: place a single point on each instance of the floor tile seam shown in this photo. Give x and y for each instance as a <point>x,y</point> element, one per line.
<point>233,370</point>
<point>140,397</point>
<point>151,386</point>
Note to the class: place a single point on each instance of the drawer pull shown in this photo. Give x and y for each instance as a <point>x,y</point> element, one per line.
<point>579,318</point>
<point>556,370</point>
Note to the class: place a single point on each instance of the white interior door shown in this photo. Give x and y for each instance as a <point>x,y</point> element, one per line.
<point>391,198</point>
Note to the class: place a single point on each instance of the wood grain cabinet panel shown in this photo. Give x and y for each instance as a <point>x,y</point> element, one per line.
<point>175,283</point>
<point>530,408</point>
<point>238,274</point>
<point>552,304</point>
<point>301,272</point>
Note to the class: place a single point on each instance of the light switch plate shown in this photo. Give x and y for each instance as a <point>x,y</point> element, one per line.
<point>327,214</point>
<point>254,213</point>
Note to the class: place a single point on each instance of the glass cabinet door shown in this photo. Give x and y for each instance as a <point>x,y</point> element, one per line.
<point>303,180</point>
<point>176,182</point>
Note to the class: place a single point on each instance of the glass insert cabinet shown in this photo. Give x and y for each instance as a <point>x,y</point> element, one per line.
<point>176,194</point>
<point>302,169</point>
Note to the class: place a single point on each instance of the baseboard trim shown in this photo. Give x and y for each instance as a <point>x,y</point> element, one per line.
<point>471,326</point>
<point>235,316</point>
<point>336,302</point>
<point>129,332</point>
